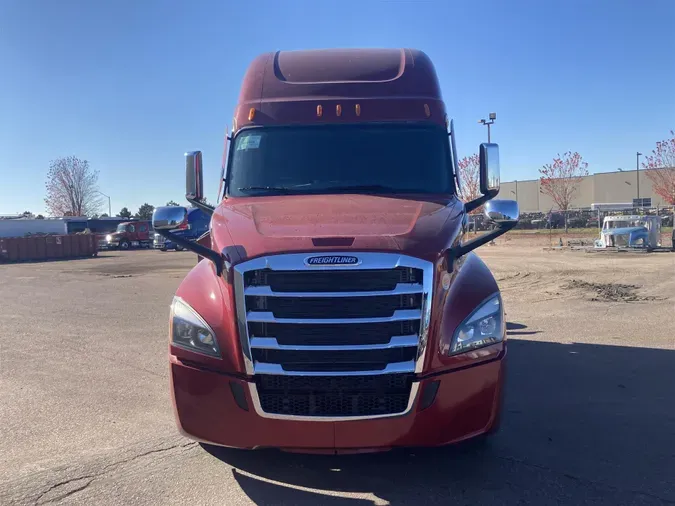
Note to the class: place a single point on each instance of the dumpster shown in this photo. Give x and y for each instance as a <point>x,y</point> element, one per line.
<point>48,247</point>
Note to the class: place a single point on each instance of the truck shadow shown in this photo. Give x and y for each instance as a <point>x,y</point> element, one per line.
<point>579,419</point>
<point>516,329</point>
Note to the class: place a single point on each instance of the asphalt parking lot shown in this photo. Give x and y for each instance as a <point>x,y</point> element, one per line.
<point>589,418</point>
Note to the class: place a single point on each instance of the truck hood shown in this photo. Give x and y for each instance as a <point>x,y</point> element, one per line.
<point>255,226</point>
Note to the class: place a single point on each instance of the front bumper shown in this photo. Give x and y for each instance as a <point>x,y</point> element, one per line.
<point>159,242</point>
<point>467,403</point>
<point>108,245</point>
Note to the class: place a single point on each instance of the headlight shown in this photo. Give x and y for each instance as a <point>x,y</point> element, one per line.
<point>190,331</point>
<point>483,327</point>
<point>108,238</point>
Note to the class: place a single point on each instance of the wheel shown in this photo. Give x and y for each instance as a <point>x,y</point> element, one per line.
<point>179,248</point>
<point>162,249</point>
<point>124,244</point>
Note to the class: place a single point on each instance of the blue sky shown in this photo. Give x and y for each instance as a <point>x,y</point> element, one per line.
<point>131,85</point>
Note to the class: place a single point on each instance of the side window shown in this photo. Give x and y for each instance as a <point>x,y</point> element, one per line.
<point>142,228</point>
<point>131,229</point>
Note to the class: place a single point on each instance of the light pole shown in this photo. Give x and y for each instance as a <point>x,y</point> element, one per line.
<point>109,208</point>
<point>492,117</point>
<point>637,174</point>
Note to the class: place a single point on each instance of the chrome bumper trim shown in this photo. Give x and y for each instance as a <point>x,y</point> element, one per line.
<point>270,343</point>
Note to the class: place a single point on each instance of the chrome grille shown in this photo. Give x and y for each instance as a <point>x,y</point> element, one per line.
<point>324,323</point>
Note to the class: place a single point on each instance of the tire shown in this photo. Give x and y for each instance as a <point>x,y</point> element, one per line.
<point>179,248</point>
<point>125,245</point>
<point>162,249</point>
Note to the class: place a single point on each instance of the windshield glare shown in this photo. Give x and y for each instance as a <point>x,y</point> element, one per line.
<point>333,159</point>
<point>121,228</point>
<point>623,223</point>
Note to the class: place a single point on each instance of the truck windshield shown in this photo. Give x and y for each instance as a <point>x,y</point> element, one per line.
<point>383,159</point>
<point>623,224</point>
<point>121,228</point>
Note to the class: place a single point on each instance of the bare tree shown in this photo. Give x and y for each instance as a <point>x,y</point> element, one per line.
<point>560,179</point>
<point>662,163</point>
<point>469,179</point>
<point>72,188</point>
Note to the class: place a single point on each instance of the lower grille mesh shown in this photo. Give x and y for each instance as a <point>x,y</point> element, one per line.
<point>334,396</point>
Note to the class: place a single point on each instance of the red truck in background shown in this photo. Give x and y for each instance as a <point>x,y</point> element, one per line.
<point>339,306</point>
<point>130,234</point>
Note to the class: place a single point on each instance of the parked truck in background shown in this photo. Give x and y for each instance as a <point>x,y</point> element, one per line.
<point>129,234</point>
<point>339,306</point>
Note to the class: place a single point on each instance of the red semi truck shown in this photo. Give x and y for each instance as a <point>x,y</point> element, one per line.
<point>129,234</point>
<point>338,306</point>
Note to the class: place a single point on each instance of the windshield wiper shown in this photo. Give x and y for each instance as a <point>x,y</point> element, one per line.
<point>309,188</point>
<point>375,188</point>
<point>280,189</point>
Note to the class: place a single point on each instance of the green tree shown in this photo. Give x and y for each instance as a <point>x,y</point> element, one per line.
<point>172,203</point>
<point>104,215</point>
<point>145,212</point>
<point>124,213</point>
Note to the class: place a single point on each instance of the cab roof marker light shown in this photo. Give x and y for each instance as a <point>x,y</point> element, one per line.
<point>338,110</point>
<point>251,114</point>
<point>358,109</point>
<point>319,110</point>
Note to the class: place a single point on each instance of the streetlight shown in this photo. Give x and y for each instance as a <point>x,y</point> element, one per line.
<point>109,208</point>
<point>637,174</point>
<point>493,117</point>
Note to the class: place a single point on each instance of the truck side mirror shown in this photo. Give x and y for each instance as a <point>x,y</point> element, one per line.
<point>194,178</point>
<point>502,212</point>
<point>169,217</point>
<point>489,169</point>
